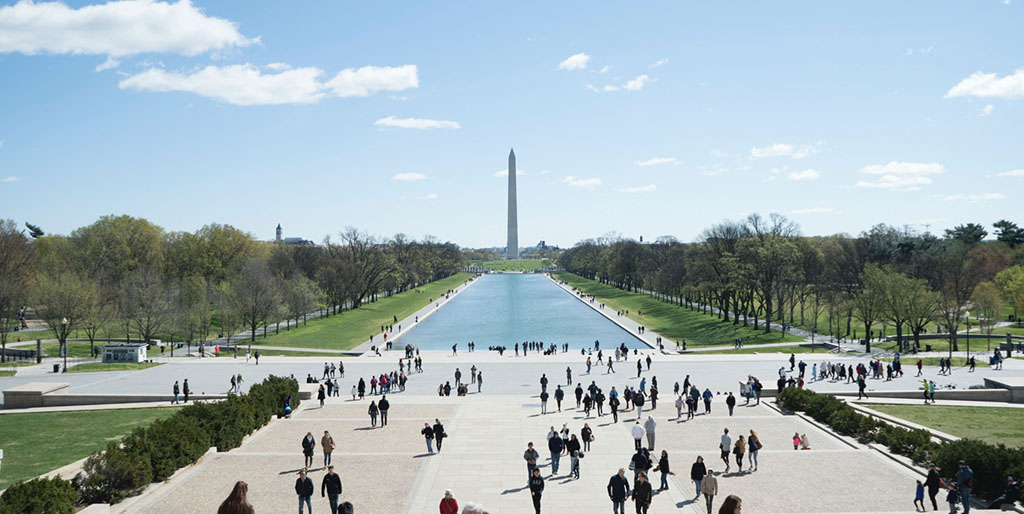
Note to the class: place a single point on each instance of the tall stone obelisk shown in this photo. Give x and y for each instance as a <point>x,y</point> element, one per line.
<point>512,251</point>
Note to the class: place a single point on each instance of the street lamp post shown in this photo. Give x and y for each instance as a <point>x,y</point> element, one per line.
<point>64,341</point>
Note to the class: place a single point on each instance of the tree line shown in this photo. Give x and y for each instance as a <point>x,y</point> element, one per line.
<point>124,275</point>
<point>761,270</point>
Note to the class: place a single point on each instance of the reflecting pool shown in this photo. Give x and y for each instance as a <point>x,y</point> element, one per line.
<point>505,309</point>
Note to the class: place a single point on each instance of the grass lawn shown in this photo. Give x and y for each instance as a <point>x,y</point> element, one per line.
<point>75,348</point>
<point>989,424</point>
<point>514,265</point>
<point>979,343</point>
<point>92,367</point>
<point>797,349</point>
<point>909,361</point>
<point>672,321</point>
<point>41,442</point>
<point>16,364</point>
<point>7,372</point>
<point>351,328</point>
<point>227,353</point>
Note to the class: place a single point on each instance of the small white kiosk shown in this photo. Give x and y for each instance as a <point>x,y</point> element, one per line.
<point>131,352</point>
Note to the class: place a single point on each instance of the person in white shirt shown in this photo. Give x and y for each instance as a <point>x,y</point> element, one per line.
<point>726,446</point>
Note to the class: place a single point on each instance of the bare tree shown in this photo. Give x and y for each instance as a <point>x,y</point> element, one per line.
<point>63,300</point>
<point>255,295</point>
<point>146,302</point>
<point>17,270</point>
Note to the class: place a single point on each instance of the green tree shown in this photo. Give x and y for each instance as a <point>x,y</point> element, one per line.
<point>988,305</point>
<point>968,233</point>
<point>1010,282</point>
<point>146,303</point>
<point>255,294</point>
<point>63,300</point>
<point>1009,233</point>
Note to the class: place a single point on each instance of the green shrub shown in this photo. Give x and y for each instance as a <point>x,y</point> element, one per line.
<point>170,444</point>
<point>40,496</point>
<point>113,475</point>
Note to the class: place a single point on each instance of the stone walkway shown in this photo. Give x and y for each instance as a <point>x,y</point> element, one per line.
<point>387,470</point>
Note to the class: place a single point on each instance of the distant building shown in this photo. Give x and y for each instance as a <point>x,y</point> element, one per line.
<point>277,233</point>
<point>296,241</point>
<point>132,352</point>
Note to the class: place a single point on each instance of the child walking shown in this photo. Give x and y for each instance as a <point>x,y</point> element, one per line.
<point>953,497</point>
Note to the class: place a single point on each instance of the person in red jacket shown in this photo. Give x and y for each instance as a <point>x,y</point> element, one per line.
<point>448,503</point>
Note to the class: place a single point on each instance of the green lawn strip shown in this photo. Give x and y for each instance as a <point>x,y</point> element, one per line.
<point>41,442</point>
<point>7,372</point>
<point>94,367</point>
<point>351,328</point>
<point>226,352</point>
<point>979,343</point>
<point>910,361</point>
<point>993,425</point>
<point>797,349</point>
<point>672,321</point>
<point>17,364</point>
<point>514,265</point>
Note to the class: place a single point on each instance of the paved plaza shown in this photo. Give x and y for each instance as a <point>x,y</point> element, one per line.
<point>387,470</point>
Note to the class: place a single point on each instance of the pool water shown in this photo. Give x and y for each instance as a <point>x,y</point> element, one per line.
<point>505,309</point>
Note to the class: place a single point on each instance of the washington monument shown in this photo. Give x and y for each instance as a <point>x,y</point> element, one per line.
<point>512,252</point>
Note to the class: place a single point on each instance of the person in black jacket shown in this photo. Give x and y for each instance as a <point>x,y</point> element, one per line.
<point>618,489</point>
<point>663,467</point>
<point>559,395</point>
<point>331,485</point>
<point>383,405</point>
<point>697,472</point>
<point>439,433</point>
<point>536,488</point>
<point>308,443</point>
<point>429,434</point>
<point>573,447</point>
<point>640,464</point>
<point>579,395</point>
<point>642,494</point>
<point>555,446</point>
<point>304,489</point>
<point>932,483</point>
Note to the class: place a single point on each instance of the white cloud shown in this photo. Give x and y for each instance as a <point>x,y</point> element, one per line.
<point>815,210</point>
<point>974,197</point>
<point>239,84</point>
<point>1011,173</point>
<point>587,183</point>
<point>108,64</point>
<point>409,177</point>
<point>605,69</point>
<point>804,175</point>
<point>575,62</point>
<point>415,123</point>
<point>654,161</point>
<point>985,111</point>
<point>633,85</point>
<point>986,85</point>
<point>10,179</point>
<point>649,188</point>
<point>541,172</point>
<point>900,176</point>
<point>783,150</point>
<point>246,84</point>
<point>370,79</point>
<point>659,63</point>
<point>117,28</point>
<point>429,196</point>
<point>279,66</point>
<point>504,173</point>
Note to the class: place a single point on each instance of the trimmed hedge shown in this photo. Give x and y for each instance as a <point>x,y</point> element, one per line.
<point>154,453</point>
<point>40,496</point>
<point>991,463</point>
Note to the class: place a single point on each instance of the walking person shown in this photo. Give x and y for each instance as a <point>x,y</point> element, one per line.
<point>185,390</point>
<point>709,488</point>
<point>236,502</point>
<point>304,490</point>
<point>308,444</point>
<point>587,435</point>
<point>618,489</point>
<point>663,467</point>
<point>559,395</point>
<point>383,406</point>
<point>754,442</point>
<point>697,473</point>
<point>638,435</point>
<point>428,433</point>
<point>330,487</point>
<point>543,402</point>
<point>573,447</point>
<point>479,381</point>
<point>530,456</point>
<point>327,444</point>
<point>934,483</point>
<point>439,433</point>
<point>726,447</point>
<point>739,450</point>
<point>177,391</point>
<point>613,404</point>
<point>964,484</point>
<point>536,489</point>
<point>919,497</point>
<point>372,411</point>
<point>649,427</point>
<point>555,446</point>
<point>320,395</point>
<point>642,494</point>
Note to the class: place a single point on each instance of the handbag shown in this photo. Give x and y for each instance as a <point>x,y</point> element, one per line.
<point>942,483</point>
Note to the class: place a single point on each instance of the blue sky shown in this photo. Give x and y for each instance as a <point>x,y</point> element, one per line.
<point>655,118</point>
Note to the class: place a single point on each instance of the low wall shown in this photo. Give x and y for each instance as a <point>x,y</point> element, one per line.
<point>102,399</point>
<point>977,395</point>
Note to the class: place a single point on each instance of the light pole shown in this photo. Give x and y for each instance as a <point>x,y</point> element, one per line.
<point>968,334</point>
<point>64,341</point>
